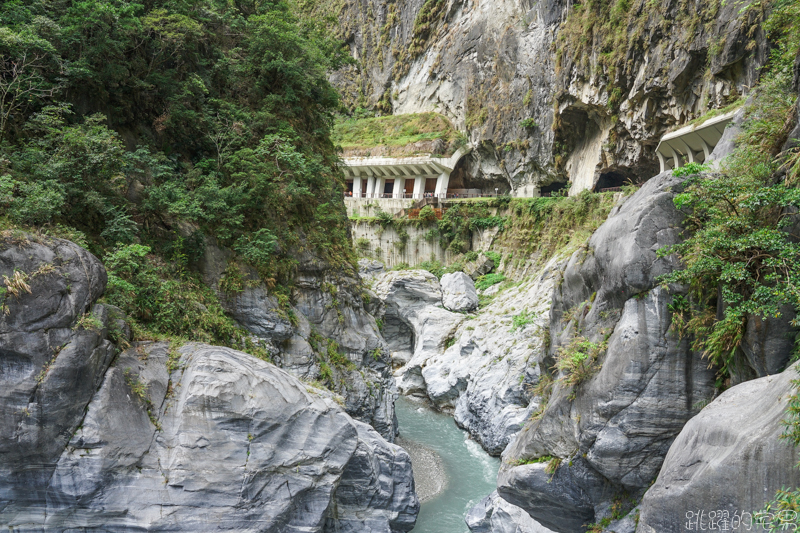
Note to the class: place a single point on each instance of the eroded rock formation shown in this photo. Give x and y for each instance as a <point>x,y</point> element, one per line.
<point>196,438</point>
<point>545,98</point>
<point>328,306</point>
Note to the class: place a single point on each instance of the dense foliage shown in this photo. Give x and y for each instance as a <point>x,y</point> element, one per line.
<point>158,122</point>
<point>742,254</point>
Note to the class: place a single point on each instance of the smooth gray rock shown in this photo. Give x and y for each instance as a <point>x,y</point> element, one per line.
<point>495,515</point>
<point>458,292</point>
<point>766,347</point>
<point>328,302</point>
<point>486,375</point>
<point>369,267</point>
<point>562,501</point>
<point>223,442</point>
<point>414,323</point>
<point>53,348</point>
<point>622,420</point>
<point>729,458</point>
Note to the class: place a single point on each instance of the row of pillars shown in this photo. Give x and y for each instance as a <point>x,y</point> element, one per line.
<point>373,186</point>
<point>676,157</point>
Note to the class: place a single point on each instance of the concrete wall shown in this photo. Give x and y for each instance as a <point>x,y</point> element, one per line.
<point>385,245</point>
<point>368,207</point>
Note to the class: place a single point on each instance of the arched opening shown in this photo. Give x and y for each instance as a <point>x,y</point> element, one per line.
<point>558,188</point>
<point>464,182</point>
<point>614,179</point>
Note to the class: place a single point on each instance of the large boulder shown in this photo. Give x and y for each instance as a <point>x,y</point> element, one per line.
<point>727,462</point>
<point>495,515</point>
<point>480,266</point>
<point>415,325</point>
<point>196,439</point>
<point>458,292</point>
<point>208,438</point>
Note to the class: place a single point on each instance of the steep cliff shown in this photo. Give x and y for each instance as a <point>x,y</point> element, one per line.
<point>326,335</point>
<point>167,438</point>
<point>551,91</point>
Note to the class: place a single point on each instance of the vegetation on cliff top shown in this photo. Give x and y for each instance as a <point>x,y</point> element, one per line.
<point>148,126</point>
<point>394,132</point>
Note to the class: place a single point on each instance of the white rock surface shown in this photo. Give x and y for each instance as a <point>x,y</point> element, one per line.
<point>478,366</point>
<point>495,515</point>
<point>458,292</point>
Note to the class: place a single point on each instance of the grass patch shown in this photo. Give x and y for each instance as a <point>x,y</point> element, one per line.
<point>390,131</point>
<point>578,360</point>
<point>542,227</point>
<point>487,280</point>
<point>522,320</point>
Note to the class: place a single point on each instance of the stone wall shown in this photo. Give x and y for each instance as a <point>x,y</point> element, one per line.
<point>386,246</point>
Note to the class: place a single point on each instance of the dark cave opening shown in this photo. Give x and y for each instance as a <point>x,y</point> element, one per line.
<point>613,179</point>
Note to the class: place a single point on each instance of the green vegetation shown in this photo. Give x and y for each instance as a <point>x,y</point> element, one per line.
<point>738,247</point>
<point>537,460</point>
<point>147,126</point>
<point>689,169</point>
<point>522,320</point>
<point>487,280</point>
<point>578,360</point>
<point>393,131</point>
<point>542,227</point>
<point>739,257</point>
<point>610,31</point>
<point>426,23</point>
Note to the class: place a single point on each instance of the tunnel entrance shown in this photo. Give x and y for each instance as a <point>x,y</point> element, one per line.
<point>558,188</point>
<point>613,180</point>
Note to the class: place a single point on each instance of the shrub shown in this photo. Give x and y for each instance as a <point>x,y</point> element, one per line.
<point>578,360</point>
<point>528,123</point>
<point>427,213</point>
<point>689,169</point>
<point>495,257</point>
<point>487,280</point>
<point>522,320</point>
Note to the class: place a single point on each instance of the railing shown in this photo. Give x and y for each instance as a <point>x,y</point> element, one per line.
<point>392,195</point>
<point>421,196</point>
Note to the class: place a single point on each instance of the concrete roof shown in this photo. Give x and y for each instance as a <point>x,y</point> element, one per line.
<point>698,138</point>
<point>401,166</point>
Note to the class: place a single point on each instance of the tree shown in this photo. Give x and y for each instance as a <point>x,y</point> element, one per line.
<point>28,65</point>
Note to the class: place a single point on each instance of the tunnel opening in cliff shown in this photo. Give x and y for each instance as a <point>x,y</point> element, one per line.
<point>612,180</point>
<point>468,178</point>
<point>558,188</point>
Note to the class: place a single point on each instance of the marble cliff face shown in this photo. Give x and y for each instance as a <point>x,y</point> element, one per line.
<point>595,98</point>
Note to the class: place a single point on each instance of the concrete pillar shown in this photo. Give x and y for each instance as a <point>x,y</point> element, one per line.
<point>441,184</point>
<point>419,187</point>
<point>676,158</point>
<point>706,150</point>
<point>357,186</point>
<point>689,153</point>
<point>380,183</point>
<point>399,185</point>
<point>661,162</point>
<point>370,186</point>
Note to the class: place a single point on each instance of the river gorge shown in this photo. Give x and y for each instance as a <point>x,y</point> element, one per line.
<point>391,266</point>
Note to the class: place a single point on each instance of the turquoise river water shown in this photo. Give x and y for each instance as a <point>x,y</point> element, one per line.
<point>471,472</point>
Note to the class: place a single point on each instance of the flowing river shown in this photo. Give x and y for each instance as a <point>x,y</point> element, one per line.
<point>466,471</point>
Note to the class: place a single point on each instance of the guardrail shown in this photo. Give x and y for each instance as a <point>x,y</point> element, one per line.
<point>421,196</point>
